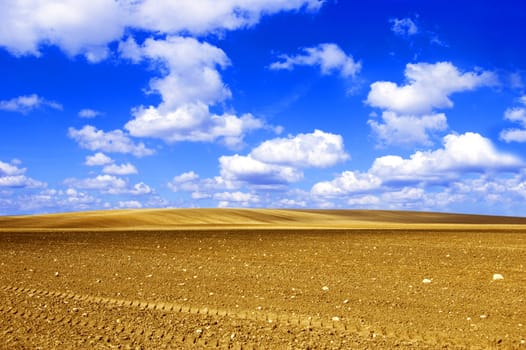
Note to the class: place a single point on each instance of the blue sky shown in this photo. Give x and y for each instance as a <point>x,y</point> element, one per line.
<point>413,105</point>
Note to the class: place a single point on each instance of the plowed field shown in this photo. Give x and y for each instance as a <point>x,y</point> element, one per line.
<point>263,289</point>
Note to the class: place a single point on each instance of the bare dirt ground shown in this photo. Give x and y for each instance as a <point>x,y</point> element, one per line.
<point>263,288</point>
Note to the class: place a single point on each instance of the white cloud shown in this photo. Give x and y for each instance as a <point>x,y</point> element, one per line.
<point>346,183</point>
<point>461,154</point>
<point>20,181</point>
<point>428,86</point>
<point>469,152</point>
<point>209,15</point>
<point>190,85</point>
<point>130,204</point>
<point>318,149</point>
<point>12,176</point>
<point>77,27</point>
<point>513,135</point>
<point>140,189</point>
<point>200,188</point>
<point>98,159</point>
<point>404,27</point>
<point>249,170</point>
<point>278,161</point>
<point>329,57</point>
<point>190,67</point>
<point>191,122</point>
<point>88,113</point>
<point>515,115</point>
<point>228,199</point>
<point>291,203</point>
<point>87,27</point>
<point>108,184</point>
<point>185,182</point>
<point>7,169</point>
<point>407,129</point>
<point>364,201</point>
<point>27,103</point>
<point>123,169</point>
<point>114,141</point>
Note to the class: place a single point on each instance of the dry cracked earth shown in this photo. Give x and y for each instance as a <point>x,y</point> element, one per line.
<point>263,289</point>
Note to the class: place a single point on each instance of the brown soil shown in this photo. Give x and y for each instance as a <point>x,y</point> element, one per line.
<point>264,288</point>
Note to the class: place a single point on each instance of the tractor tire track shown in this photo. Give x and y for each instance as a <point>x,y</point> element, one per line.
<point>107,333</point>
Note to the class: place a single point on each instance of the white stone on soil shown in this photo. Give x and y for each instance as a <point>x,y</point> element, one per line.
<point>497,277</point>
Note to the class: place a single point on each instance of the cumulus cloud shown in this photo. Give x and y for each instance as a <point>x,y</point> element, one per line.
<point>200,188</point>
<point>192,122</point>
<point>190,66</point>
<point>78,28</point>
<point>407,129</point>
<point>346,183</point>
<point>20,181</point>
<point>513,135</point>
<point>187,15</point>
<point>7,169</point>
<point>403,26</point>
<point>108,184</point>
<point>130,204</point>
<point>12,176</point>
<point>27,103</point>
<point>461,154</point>
<point>291,203</point>
<point>515,115</point>
<point>228,199</point>
<point>115,141</point>
<point>408,117</point>
<point>250,170</point>
<point>88,27</point>
<point>329,57</point>
<point>469,152</point>
<point>98,159</point>
<point>187,182</point>
<point>318,149</point>
<point>428,86</point>
<point>190,85</point>
<point>88,113</point>
<point>122,169</point>
<point>279,161</point>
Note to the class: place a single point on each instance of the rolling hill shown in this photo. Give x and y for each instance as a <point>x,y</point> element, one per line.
<point>173,219</point>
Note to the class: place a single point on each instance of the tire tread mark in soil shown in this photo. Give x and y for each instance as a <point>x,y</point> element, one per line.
<point>279,319</point>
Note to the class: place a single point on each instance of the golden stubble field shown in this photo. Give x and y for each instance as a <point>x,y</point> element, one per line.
<point>262,279</point>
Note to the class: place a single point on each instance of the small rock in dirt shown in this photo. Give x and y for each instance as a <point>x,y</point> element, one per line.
<point>325,288</point>
<point>335,318</point>
<point>57,274</point>
<point>497,277</point>
<point>427,280</point>
<point>346,301</point>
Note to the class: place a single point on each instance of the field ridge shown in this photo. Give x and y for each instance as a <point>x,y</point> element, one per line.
<point>172,219</point>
